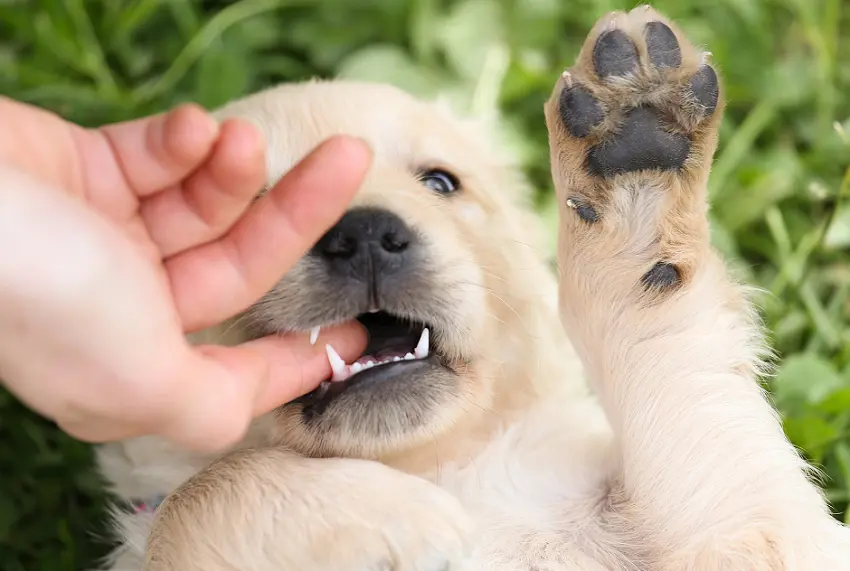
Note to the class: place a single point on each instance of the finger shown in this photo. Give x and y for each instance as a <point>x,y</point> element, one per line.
<point>152,153</point>
<point>296,367</point>
<point>217,280</point>
<point>100,430</point>
<point>224,388</point>
<point>207,204</point>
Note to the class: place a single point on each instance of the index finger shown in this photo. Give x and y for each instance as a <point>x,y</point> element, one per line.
<point>215,281</point>
<point>151,153</point>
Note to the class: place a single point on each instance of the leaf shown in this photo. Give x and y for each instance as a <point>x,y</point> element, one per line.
<point>791,81</point>
<point>835,402</point>
<point>838,234</point>
<point>774,177</point>
<point>222,75</point>
<point>390,64</point>
<point>804,378</point>
<point>842,457</point>
<point>722,239</point>
<point>424,26</point>
<point>469,32</point>
<point>8,516</point>
<point>811,433</point>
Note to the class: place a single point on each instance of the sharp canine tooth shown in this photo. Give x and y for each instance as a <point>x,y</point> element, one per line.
<point>422,347</point>
<point>337,364</point>
<point>409,357</point>
<point>314,335</point>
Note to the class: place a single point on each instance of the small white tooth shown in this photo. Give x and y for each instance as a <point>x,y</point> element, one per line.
<point>396,359</point>
<point>409,357</point>
<point>369,364</point>
<point>314,335</point>
<point>338,367</point>
<point>356,368</point>
<point>422,347</point>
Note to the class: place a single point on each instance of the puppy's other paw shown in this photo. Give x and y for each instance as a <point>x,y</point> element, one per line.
<point>408,526</point>
<point>632,127</point>
<point>270,510</point>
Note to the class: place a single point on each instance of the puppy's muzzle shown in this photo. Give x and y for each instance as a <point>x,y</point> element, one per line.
<point>371,248</point>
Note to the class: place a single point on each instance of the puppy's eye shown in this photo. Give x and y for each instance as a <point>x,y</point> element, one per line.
<point>439,181</point>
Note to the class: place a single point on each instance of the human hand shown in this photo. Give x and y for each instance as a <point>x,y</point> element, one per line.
<point>119,240</point>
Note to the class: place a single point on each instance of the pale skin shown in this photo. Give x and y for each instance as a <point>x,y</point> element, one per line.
<point>109,234</point>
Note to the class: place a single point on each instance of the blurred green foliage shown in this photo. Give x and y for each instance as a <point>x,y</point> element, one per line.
<point>780,185</point>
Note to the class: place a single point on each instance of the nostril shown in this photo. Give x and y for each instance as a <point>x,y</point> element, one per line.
<point>393,243</point>
<point>340,246</point>
<point>364,236</point>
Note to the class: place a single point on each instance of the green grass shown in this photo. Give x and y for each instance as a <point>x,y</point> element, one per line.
<point>780,186</point>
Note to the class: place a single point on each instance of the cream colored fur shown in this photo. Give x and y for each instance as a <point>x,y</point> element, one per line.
<point>675,462</point>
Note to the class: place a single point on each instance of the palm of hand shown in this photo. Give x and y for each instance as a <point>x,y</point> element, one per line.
<point>168,200</point>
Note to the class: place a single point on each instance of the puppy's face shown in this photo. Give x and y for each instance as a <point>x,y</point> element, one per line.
<point>434,258</point>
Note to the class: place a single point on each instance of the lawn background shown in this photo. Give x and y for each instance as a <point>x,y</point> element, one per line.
<point>779,178</point>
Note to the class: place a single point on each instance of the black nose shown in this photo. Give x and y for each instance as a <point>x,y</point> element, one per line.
<point>367,244</point>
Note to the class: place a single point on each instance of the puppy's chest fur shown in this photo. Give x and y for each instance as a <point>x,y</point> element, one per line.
<point>533,507</point>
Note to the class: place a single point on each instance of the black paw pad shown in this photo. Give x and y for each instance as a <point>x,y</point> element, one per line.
<point>662,47</point>
<point>641,144</point>
<point>614,54</point>
<point>580,111</point>
<point>661,276</point>
<point>705,89</point>
<point>584,211</point>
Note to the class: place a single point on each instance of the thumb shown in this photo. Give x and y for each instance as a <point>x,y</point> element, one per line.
<point>216,403</point>
<point>224,388</point>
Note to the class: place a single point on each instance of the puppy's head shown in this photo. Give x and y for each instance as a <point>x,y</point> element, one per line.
<point>435,257</point>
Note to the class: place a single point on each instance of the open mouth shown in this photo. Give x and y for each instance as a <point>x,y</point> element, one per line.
<point>391,340</point>
<point>396,347</point>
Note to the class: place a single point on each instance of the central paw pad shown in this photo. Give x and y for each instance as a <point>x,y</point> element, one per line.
<point>641,144</point>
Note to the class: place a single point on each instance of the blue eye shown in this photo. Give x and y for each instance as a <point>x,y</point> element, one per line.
<point>439,181</point>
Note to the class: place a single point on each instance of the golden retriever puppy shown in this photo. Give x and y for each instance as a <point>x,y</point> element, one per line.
<point>464,438</point>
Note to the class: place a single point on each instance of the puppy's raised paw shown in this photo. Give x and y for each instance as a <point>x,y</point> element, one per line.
<point>633,126</point>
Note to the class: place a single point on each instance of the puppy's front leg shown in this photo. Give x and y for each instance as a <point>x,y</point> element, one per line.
<point>708,479</point>
<point>271,510</point>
